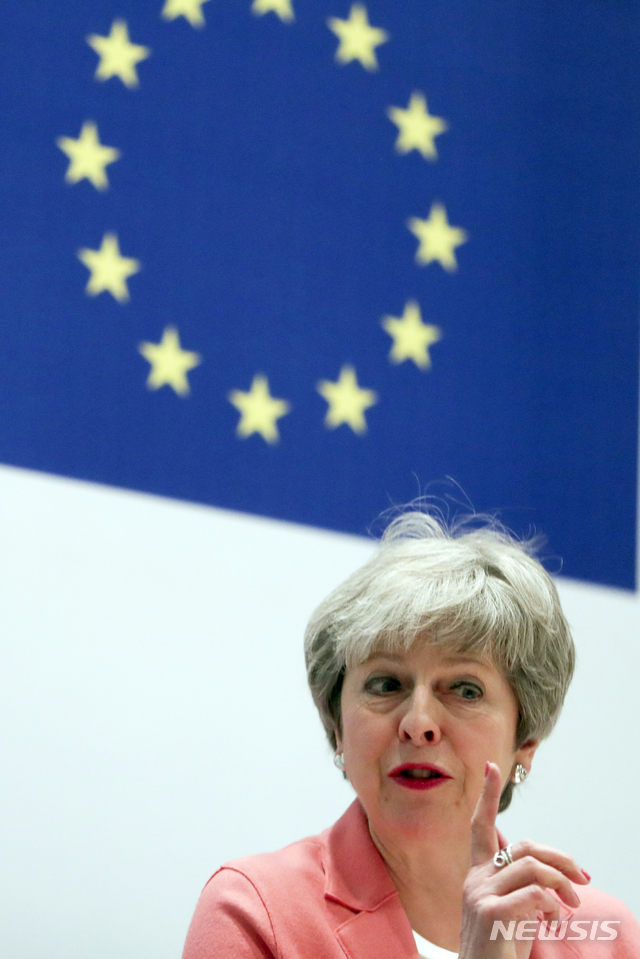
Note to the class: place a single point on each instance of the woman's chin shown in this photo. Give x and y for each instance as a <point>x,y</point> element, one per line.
<point>414,811</point>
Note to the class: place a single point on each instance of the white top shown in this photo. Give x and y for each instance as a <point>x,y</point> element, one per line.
<point>427,950</point>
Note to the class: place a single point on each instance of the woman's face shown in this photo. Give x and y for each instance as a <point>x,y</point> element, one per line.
<point>418,728</point>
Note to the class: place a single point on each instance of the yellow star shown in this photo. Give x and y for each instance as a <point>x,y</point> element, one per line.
<point>418,129</point>
<point>283,8</point>
<point>411,337</point>
<point>118,56</point>
<point>109,270</point>
<point>438,239</point>
<point>169,362</point>
<point>88,156</point>
<point>191,10</point>
<point>258,410</point>
<point>347,401</point>
<point>358,39</point>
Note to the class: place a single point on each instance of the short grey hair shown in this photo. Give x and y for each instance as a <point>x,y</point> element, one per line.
<point>470,585</point>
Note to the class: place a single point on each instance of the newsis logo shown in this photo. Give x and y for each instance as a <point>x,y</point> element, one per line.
<point>528,929</point>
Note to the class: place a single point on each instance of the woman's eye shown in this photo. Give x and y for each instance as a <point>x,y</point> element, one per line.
<point>382,684</point>
<point>467,690</point>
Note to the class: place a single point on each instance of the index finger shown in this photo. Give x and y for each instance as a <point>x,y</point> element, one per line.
<point>484,842</point>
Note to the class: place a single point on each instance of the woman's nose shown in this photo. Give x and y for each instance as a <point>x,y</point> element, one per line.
<point>419,724</point>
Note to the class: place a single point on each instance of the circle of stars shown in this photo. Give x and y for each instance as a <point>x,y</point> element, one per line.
<point>347,401</point>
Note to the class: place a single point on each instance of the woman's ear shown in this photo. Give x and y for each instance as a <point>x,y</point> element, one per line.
<point>524,755</point>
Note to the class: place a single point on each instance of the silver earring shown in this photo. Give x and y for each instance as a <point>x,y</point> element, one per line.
<point>520,774</point>
<point>338,761</point>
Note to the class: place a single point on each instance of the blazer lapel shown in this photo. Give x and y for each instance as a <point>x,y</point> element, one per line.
<point>356,877</point>
<point>385,932</point>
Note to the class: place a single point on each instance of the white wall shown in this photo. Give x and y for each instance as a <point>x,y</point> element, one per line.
<point>155,721</point>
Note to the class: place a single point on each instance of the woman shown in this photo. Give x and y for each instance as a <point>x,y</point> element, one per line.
<point>437,669</point>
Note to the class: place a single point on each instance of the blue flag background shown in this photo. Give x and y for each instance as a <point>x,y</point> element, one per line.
<point>210,310</point>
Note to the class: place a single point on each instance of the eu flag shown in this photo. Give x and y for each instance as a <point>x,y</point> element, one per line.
<point>304,258</point>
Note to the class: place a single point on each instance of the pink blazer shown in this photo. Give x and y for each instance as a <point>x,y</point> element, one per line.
<point>330,896</point>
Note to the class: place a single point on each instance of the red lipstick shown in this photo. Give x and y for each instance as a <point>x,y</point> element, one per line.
<point>418,775</point>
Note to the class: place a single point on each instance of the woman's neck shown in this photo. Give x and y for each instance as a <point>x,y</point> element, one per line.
<point>428,872</point>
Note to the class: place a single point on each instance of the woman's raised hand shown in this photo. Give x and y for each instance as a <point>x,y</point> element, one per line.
<point>518,891</point>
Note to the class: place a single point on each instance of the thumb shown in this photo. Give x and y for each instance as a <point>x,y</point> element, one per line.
<point>484,841</point>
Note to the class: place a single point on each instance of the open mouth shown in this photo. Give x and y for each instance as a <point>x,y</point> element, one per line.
<point>420,774</point>
<point>416,776</point>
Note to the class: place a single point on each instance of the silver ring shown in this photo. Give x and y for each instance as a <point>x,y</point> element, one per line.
<point>504,857</point>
